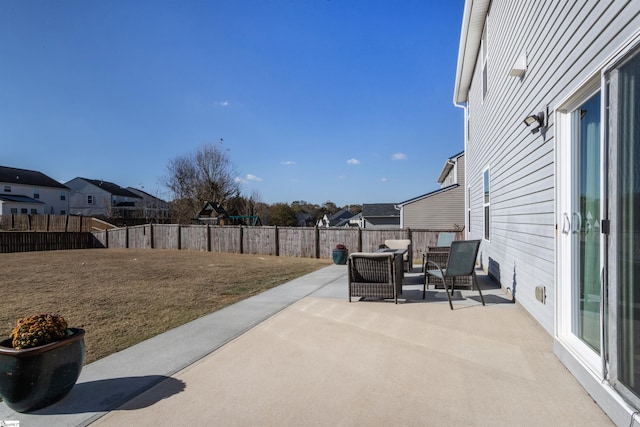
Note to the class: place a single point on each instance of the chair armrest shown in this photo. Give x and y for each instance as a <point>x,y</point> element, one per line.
<point>437,267</point>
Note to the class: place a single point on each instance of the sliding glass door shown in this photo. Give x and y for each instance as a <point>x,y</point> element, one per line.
<point>585,230</point>
<point>625,248</point>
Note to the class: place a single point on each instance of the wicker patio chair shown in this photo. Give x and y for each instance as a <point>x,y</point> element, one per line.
<point>461,262</point>
<point>440,251</point>
<point>375,275</point>
<point>402,244</point>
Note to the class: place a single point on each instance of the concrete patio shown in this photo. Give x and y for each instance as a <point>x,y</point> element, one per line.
<point>301,354</point>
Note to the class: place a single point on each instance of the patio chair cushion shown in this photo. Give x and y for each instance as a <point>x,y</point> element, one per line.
<point>402,244</point>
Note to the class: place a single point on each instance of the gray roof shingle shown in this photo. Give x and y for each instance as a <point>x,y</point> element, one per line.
<point>28,177</point>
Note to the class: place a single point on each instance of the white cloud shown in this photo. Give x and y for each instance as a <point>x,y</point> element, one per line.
<point>383,179</point>
<point>399,156</point>
<point>288,162</point>
<point>353,161</point>
<point>223,103</point>
<point>239,180</point>
<point>251,177</point>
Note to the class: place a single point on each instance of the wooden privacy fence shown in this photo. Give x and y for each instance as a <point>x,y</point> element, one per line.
<point>28,241</point>
<point>306,242</point>
<point>39,222</point>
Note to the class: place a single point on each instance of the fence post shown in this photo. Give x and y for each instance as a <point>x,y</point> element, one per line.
<point>359,239</point>
<point>48,220</point>
<point>316,239</point>
<point>126,237</point>
<point>413,248</point>
<point>208,237</point>
<point>276,240</point>
<point>241,239</point>
<point>106,238</point>
<point>151,236</point>
<point>179,237</point>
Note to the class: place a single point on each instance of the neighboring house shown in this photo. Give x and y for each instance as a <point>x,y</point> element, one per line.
<point>353,221</point>
<point>151,207</point>
<point>442,209</point>
<point>304,219</point>
<point>212,213</point>
<point>334,219</point>
<point>556,201</point>
<point>25,191</point>
<point>94,197</point>
<point>380,215</point>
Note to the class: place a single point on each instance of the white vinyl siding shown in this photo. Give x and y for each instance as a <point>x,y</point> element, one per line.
<point>563,50</point>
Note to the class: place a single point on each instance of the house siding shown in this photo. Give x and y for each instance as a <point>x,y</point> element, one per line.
<point>442,211</point>
<point>439,211</point>
<point>78,205</point>
<point>49,199</point>
<point>566,43</point>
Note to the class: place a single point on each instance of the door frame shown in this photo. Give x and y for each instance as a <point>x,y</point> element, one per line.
<point>564,187</point>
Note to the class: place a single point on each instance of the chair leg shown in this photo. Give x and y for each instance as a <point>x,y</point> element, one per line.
<point>446,291</point>
<point>475,283</point>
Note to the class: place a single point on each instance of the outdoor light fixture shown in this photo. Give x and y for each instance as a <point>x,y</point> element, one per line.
<point>535,118</point>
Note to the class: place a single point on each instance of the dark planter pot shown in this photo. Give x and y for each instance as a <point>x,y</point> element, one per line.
<point>340,256</point>
<point>36,377</point>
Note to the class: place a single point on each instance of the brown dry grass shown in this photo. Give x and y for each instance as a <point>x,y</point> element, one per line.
<point>124,296</point>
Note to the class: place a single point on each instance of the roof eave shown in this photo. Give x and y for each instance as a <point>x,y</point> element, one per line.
<point>475,12</point>
<point>445,171</point>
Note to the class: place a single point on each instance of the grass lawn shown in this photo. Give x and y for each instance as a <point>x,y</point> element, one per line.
<point>124,296</point>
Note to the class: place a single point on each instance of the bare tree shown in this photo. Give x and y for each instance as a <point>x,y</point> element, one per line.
<point>206,175</point>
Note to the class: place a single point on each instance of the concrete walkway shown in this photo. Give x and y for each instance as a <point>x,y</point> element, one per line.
<point>301,354</point>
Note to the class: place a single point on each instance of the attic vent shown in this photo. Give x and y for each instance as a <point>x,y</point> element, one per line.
<point>520,66</point>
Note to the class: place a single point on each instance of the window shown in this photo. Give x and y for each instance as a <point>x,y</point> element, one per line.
<point>36,194</point>
<point>7,189</point>
<point>23,210</point>
<point>14,210</point>
<point>484,61</point>
<point>63,212</point>
<point>34,211</point>
<point>63,195</point>
<point>486,204</point>
<point>89,199</point>
<point>469,209</point>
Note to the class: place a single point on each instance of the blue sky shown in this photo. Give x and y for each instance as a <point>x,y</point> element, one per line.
<point>317,100</point>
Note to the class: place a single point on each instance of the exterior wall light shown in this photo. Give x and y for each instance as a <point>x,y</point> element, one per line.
<point>535,118</point>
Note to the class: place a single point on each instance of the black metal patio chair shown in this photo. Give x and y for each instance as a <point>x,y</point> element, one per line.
<point>461,262</point>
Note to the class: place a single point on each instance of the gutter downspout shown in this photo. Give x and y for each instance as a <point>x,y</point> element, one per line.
<point>399,208</point>
<point>466,180</point>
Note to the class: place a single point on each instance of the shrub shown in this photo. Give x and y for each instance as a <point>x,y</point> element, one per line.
<point>37,330</point>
